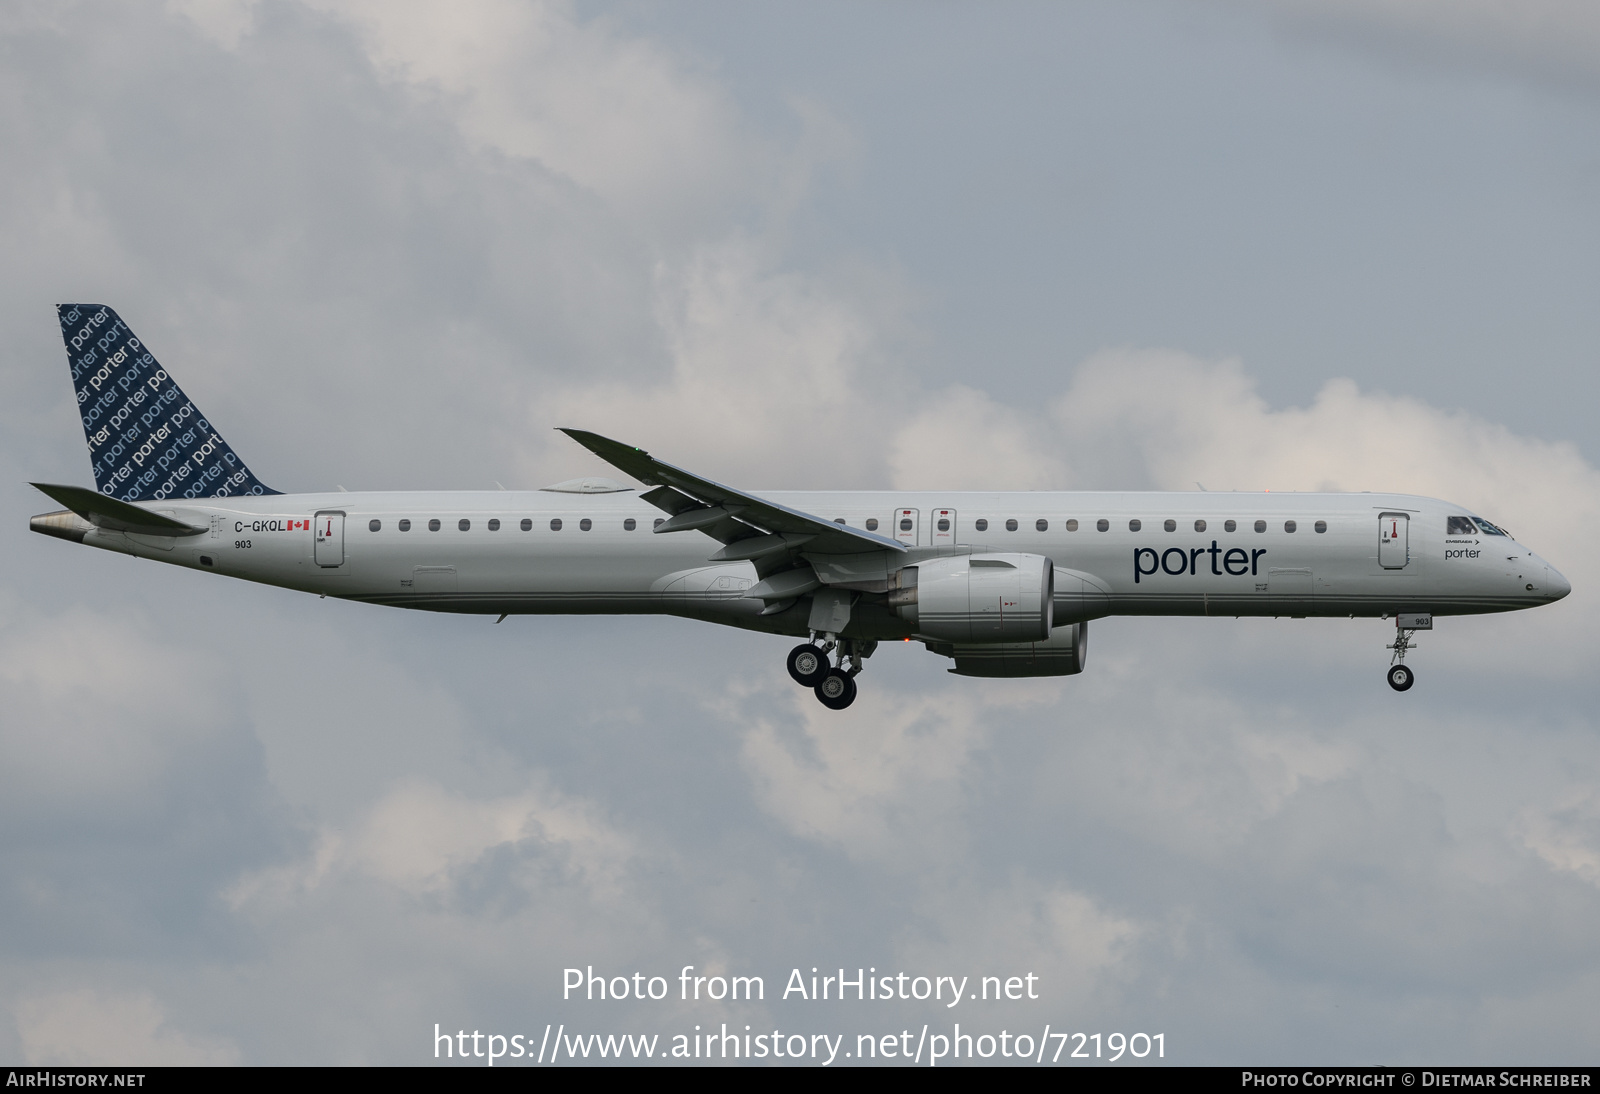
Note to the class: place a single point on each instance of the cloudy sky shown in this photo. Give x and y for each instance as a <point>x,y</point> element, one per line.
<point>1261,244</point>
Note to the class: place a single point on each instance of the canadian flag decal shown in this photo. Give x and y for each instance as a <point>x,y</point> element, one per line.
<point>298,525</point>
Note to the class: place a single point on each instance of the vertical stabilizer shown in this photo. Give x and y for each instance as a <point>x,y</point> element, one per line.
<point>147,441</point>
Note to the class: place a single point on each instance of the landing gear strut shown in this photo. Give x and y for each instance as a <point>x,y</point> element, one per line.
<point>1400,675</point>
<point>835,685</point>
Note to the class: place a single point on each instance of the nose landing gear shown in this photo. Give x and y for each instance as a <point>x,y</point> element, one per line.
<point>835,685</point>
<point>1400,675</point>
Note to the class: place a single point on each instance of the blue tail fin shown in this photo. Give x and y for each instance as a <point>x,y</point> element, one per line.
<point>147,441</point>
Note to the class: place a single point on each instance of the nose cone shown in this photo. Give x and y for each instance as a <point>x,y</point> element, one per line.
<point>1555,586</point>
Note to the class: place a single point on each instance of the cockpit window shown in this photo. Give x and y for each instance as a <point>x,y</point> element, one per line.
<point>1459,526</point>
<point>1491,530</point>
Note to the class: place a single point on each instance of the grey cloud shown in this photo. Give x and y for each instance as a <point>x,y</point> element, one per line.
<point>247,824</point>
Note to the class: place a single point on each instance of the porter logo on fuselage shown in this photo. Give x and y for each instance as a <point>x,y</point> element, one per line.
<point>1178,561</point>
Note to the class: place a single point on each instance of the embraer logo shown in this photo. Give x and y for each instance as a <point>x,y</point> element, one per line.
<point>1235,561</point>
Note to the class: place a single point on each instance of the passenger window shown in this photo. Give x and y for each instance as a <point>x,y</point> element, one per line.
<point>585,524</point>
<point>1321,526</point>
<point>659,522</point>
<point>527,524</point>
<point>1289,526</point>
<point>555,524</point>
<point>1135,524</point>
<point>1041,525</point>
<point>1011,524</point>
<point>1460,526</point>
<point>1072,524</point>
<point>374,525</point>
<point>1170,525</point>
<point>1261,526</point>
<point>1230,526</point>
<point>1199,526</point>
<point>494,524</point>
<point>433,525</point>
<point>944,524</point>
<point>629,525</point>
<point>905,524</point>
<point>405,524</point>
<point>872,524</point>
<point>981,524</point>
<point>1103,524</point>
<point>464,524</point>
<point>839,520</point>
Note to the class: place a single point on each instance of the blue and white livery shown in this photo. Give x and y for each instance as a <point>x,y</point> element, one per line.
<point>1004,583</point>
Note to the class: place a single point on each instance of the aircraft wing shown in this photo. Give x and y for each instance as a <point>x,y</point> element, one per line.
<point>750,526</point>
<point>113,515</point>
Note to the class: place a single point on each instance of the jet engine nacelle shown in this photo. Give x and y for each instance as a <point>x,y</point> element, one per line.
<point>978,598</point>
<point>1064,654</point>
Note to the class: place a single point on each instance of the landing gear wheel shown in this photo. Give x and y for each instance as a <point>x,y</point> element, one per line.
<point>808,665</point>
<point>837,690</point>
<point>1401,677</point>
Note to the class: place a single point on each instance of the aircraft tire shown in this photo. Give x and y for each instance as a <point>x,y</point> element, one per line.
<point>808,665</point>
<point>1401,677</point>
<point>837,690</point>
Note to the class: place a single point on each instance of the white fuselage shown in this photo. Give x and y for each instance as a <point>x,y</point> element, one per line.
<point>1347,555</point>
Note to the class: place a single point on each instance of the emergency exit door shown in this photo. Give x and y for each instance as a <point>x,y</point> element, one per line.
<point>1394,543</point>
<point>329,529</point>
<point>905,526</point>
<point>944,526</point>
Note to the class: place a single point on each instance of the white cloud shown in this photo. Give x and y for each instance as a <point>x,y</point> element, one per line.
<point>773,369</point>
<point>419,837</point>
<point>1566,835</point>
<point>615,114</point>
<point>884,782</point>
<point>961,439</point>
<point>1075,948</point>
<point>94,1028</point>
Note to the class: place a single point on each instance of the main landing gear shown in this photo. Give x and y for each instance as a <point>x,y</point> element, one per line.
<point>835,685</point>
<point>1400,675</point>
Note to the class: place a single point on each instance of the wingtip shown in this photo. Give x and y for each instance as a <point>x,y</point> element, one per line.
<point>590,439</point>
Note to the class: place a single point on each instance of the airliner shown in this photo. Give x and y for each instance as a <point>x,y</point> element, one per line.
<point>1003,583</point>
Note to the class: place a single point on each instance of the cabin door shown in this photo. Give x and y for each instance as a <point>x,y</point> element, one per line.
<point>1394,543</point>
<point>329,528</point>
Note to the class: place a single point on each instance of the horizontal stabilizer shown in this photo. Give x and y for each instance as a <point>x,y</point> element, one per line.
<point>113,515</point>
